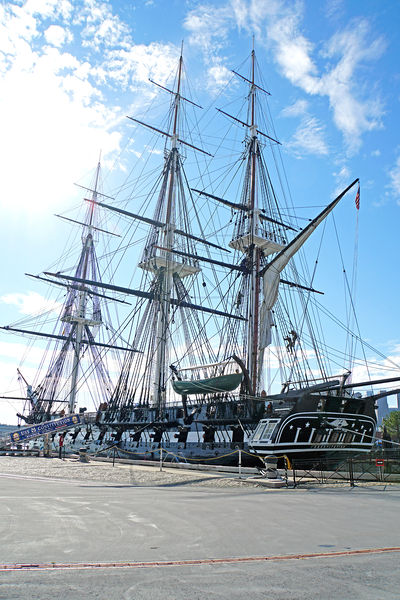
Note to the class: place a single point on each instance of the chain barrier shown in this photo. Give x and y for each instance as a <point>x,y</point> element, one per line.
<point>186,459</point>
<point>319,472</point>
<point>168,452</point>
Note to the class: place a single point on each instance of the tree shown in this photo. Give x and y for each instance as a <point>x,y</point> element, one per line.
<point>392,424</point>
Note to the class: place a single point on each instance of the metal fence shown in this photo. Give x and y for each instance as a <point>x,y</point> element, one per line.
<point>360,469</point>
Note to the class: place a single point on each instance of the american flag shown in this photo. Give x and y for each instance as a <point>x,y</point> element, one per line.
<point>358,198</point>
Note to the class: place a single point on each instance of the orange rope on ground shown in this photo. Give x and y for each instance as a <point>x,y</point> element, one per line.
<point>187,563</point>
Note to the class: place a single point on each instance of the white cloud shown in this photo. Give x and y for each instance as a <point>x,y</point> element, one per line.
<point>48,8</point>
<point>31,303</point>
<point>240,12</point>
<point>379,368</point>
<point>102,29</point>
<point>208,27</point>
<point>63,123</point>
<point>277,24</point>
<point>334,8</point>
<point>15,350</point>
<point>309,138</point>
<point>297,109</point>
<point>139,63</point>
<point>293,51</point>
<point>218,77</point>
<point>54,112</point>
<point>342,177</point>
<point>343,173</point>
<point>352,114</point>
<point>57,36</point>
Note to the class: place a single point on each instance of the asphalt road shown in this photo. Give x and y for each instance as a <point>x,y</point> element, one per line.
<point>83,529</point>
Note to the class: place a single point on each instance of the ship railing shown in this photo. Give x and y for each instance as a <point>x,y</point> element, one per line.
<point>219,396</point>
<point>89,418</point>
<point>190,445</point>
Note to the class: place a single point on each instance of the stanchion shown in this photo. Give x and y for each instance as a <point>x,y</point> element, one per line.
<point>351,473</point>
<point>286,463</point>
<point>240,463</point>
<point>160,458</point>
<point>294,473</point>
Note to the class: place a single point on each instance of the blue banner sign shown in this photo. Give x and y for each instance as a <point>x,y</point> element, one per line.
<point>28,433</point>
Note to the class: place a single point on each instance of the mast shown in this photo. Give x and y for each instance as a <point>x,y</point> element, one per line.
<point>166,275</point>
<point>75,331</point>
<point>171,323</point>
<point>250,238</point>
<point>79,319</point>
<point>254,250</point>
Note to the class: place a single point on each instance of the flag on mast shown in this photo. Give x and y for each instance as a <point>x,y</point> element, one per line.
<point>358,198</point>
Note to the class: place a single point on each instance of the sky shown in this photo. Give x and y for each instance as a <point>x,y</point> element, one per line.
<point>70,72</point>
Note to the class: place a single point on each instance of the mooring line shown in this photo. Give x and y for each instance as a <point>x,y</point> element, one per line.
<point>186,563</point>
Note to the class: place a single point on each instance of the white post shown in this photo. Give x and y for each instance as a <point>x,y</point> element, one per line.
<point>240,463</point>
<point>46,445</point>
<point>160,458</point>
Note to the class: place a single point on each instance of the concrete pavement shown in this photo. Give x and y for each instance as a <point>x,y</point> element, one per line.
<point>53,521</point>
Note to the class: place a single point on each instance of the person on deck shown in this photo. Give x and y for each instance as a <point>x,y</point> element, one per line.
<point>60,445</point>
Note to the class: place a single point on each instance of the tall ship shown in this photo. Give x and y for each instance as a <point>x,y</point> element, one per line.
<point>222,349</point>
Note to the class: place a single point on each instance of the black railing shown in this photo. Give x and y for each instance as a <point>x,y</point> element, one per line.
<point>371,468</point>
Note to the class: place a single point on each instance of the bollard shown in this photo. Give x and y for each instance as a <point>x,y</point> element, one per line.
<point>240,463</point>
<point>83,455</point>
<point>271,464</point>
<point>286,463</point>
<point>46,445</point>
<point>160,458</point>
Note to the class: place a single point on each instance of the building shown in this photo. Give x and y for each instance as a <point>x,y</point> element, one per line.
<point>382,409</point>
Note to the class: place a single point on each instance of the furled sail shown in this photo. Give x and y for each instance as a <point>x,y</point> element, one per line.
<point>271,272</point>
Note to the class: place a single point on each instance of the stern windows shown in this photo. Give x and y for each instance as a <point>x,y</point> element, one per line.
<point>265,430</point>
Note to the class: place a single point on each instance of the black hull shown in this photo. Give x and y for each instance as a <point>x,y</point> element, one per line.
<point>301,427</point>
<point>314,436</point>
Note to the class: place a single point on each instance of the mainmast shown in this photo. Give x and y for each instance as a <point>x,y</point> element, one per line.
<point>253,250</point>
<point>253,240</point>
<point>261,235</point>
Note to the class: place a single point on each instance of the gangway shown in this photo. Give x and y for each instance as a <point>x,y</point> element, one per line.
<point>26,434</point>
